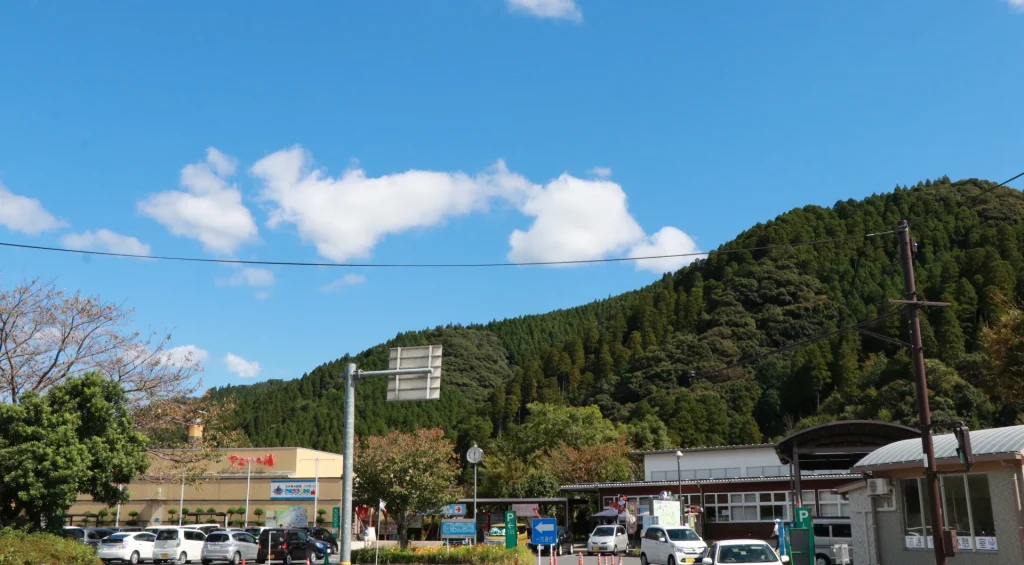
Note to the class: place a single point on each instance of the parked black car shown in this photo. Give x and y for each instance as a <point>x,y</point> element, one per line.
<point>324,535</point>
<point>288,545</point>
<point>563,547</point>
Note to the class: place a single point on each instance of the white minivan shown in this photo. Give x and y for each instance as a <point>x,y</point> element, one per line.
<point>178,545</point>
<point>671,545</point>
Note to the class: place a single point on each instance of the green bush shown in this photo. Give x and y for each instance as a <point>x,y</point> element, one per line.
<point>20,548</point>
<point>439,555</point>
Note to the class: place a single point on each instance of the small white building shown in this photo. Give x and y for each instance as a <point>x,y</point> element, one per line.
<point>703,463</point>
<point>891,519</point>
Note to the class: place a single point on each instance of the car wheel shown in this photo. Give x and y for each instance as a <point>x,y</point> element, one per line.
<point>820,559</point>
<point>287,559</point>
<point>643,559</point>
<point>183,558</point>
<point>134,558</point>
<point>671,560</point>
<point>206,562</point>
<point>236,558</point>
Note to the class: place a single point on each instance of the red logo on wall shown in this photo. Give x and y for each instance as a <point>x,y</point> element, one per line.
<point>242,461</point>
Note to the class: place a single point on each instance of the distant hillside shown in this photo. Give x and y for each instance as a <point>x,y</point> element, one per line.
<point>651,355</point>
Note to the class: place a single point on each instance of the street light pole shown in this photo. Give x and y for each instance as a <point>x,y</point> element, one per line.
<point>248,481</point>
<point>474,456</point>
<point>352,374</point>
<point>679,476</point>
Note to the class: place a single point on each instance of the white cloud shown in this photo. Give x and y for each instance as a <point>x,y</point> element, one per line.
<point>261,295</point>
<point>601,172</point>
<point>576,219</point>
<point>241,367</point>
<point>209,209</point>
<point>667,241</point>
<point>105,240</point>
<point>553,9</point>
<point>351,279</point>
<point>248,276</point>
<point>345,217</point>
<point>183,355</point>
<point>1016,4</point>
<point>24,214</point>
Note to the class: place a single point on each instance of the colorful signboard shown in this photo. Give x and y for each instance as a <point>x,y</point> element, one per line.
<point>454,510</point>
<point>511,532</point>
<point>243,461</point>
<point>458,529</point>
<point>287,517</point>
<point>292,490</point>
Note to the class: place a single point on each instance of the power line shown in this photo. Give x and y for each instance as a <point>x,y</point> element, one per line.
<point>426,265</point>
<point>991,188</point>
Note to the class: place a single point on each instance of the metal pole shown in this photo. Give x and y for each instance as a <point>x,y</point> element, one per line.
<point>346,487</point>
<point>924,410</point>
<point>316,487</point>
<point>181,500</point>
<point>474,493</point>
<point>248,481</point>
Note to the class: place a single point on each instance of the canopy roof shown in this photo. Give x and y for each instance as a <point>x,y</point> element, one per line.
<point>839,445</point>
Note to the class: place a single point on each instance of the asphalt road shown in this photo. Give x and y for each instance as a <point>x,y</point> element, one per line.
<point>546,560</point>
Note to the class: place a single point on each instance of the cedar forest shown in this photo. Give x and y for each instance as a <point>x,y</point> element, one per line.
<point>563,397</point>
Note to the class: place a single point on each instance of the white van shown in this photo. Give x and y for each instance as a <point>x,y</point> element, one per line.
<point>671,545</point>
<point>178,545</point>
<point>829,532</point>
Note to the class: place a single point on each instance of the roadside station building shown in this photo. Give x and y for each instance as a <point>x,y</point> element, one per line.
<point>739,491</point>
<point>283,481</point>
<point>891,507</point>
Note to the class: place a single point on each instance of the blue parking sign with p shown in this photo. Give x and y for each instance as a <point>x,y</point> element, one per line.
<point>544,531</point>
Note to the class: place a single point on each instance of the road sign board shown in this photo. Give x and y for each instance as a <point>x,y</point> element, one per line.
<point>406,388</point>
<point>511,532</point>
<point>545,531</point>
<point>454,510</point>
<point>336,517</point>
<point>458,528</point>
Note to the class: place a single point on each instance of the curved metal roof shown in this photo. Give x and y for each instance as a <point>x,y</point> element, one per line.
<point>995,443</point>
<point>838,445</point>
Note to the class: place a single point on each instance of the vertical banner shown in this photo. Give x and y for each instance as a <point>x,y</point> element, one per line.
<point>511,532</point>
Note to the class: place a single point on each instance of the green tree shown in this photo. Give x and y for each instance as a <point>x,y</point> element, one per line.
<point>410,472</point>
<point>77,438</point>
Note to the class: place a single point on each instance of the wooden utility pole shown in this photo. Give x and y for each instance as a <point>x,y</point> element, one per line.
<point>907,247</point>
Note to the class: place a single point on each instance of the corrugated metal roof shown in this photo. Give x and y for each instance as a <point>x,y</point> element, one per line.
<point>593,486</point>
<point>990,442</point>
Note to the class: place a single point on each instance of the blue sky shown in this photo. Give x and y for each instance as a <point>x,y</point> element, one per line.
<point>460,131</point>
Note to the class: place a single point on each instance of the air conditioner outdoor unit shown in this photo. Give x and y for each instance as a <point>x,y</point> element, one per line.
<point>878,487</point>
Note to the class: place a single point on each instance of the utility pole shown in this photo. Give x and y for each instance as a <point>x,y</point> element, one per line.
<point>907,247</point>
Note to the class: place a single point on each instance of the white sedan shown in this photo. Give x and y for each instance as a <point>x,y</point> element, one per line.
<point>743,551</point>
<point>129,547</point>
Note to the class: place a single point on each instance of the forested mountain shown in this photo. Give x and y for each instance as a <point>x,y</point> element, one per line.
<point>652,359</point>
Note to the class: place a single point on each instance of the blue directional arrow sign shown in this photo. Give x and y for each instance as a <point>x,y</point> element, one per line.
<point>545,531</point>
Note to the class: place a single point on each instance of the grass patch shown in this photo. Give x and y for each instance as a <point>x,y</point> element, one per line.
<point>476,554</point>
<point>21,548</point>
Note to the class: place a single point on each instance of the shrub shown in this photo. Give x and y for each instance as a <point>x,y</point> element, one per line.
<point>20,548</point>
<point>439,555</point>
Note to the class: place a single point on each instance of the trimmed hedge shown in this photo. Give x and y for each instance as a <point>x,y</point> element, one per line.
<point>21,548</point>
<point>477,555</point>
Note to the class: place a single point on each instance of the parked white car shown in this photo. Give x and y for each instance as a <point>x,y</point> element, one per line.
<point>671,545</point>
<point>180,545</point>
<point>130,547</point>
<point>608,539</point>
<point>232,546</point>
<point>743,551</point>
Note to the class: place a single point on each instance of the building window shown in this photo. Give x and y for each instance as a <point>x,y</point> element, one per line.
<point>745,506</point>
<point>808,500</point>
<point>967,507</point>
<point>833,505</point>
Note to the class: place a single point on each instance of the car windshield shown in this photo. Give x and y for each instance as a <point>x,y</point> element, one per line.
<point>217,538</point>
<point>253,531</point>
<point>746,553</point>
<point>604,531</point>
<point>496,531</point>
<point>164,535</point>
<point>682,534</point>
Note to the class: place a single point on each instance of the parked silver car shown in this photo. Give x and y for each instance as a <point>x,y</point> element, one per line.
<point>230,546</point>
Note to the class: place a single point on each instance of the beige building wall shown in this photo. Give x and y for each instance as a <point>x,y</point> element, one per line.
<point>224,485</point>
